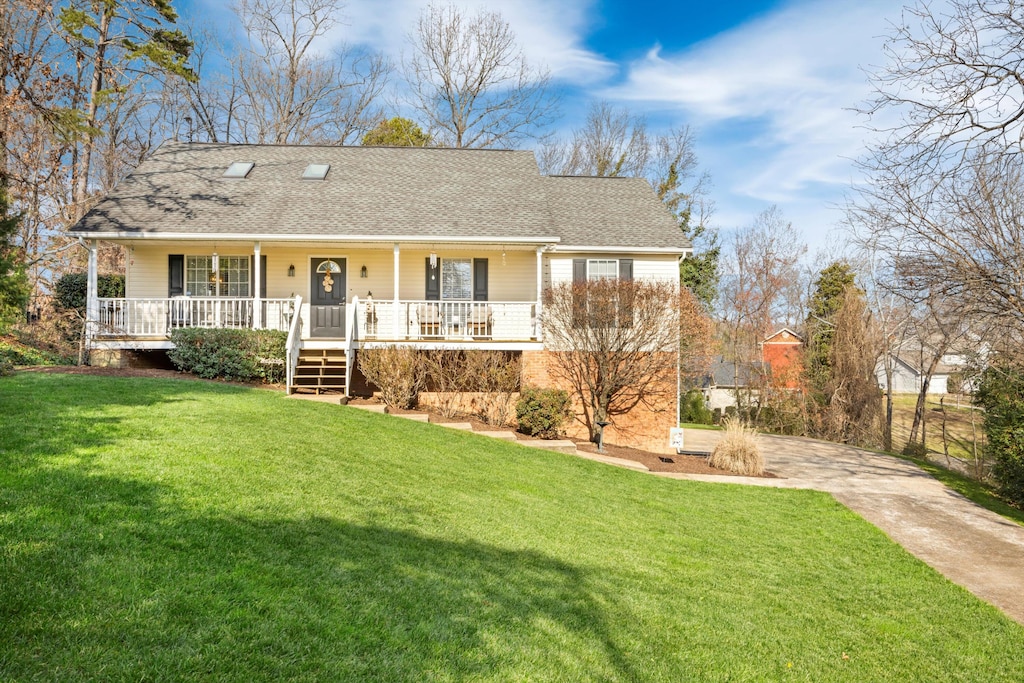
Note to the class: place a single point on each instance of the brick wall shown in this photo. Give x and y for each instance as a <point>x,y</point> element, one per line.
<point>645,427</point>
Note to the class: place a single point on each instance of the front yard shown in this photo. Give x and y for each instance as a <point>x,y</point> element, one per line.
<point>182,530</point>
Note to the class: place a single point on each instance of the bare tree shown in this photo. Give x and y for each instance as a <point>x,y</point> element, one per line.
<point>289,92</point>
<point>614,343</point>
<point>852,405</point>
<point>944,181</point>
<point>760,266</point>
<point>954,82</point>
<point>472,84</point>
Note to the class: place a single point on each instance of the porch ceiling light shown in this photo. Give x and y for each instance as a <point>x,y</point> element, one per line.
<point>433,259</point>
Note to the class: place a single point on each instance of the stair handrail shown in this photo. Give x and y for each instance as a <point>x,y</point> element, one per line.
<point>350,342</point>
<point>291,346</point>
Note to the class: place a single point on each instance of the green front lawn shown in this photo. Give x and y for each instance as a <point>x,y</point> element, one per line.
<point>163,529</point>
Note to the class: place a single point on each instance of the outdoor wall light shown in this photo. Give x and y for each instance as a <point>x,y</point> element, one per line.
<point>362,272</point>
<point>291,271</point>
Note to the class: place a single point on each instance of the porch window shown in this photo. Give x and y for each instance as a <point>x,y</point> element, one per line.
<point>457,279</point>
<point>232,279</point>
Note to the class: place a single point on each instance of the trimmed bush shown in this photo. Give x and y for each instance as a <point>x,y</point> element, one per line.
<point>737,451</point>
<point>240,355</point>
<point>542,412</point>
<point>397,371</point>
<point>694,409</point>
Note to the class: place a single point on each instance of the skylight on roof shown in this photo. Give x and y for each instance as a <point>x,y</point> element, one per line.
<point>239,169</point>
<point>316,172</point>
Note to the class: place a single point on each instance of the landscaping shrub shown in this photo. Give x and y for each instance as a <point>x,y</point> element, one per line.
<point>397,371</point>
<point>542,412</point>
<point>242,355</point>
<point>6,367</point>
<point>737,451</point>
<point>14,353</point>
<point>70,289</point>
<point>496,376</point>
<point>1001,393</point>
<point>694,409</point>
<point>446,374</point>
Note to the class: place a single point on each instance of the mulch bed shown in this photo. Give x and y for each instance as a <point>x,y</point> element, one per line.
<point>687,464</point>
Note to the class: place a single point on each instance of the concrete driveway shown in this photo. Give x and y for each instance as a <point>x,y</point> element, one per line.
<point>975,548</point>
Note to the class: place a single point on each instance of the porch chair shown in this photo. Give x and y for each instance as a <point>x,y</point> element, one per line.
<point>478,322</point>
<point>430,319</point>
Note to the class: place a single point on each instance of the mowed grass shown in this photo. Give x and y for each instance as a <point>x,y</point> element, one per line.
<point>181,530</point>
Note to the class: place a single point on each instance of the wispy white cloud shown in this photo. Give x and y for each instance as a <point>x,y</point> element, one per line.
<point>550,33</point>
<point>772,99</point>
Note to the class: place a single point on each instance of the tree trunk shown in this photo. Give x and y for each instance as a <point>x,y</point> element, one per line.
<point>921,398</point>
<point>81,190</point>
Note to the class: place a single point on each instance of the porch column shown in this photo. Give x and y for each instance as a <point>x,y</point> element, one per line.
<point>396,323</point>
<point>92,303</point>
<point>257,308</point>
<point>540,291</point>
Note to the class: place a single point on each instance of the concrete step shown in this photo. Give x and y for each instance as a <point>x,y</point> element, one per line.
<point>415,417</point>
<point>370,408</point>
<point>504,436</point>
<point>464,426</point>
<point>557,445</point>
<point>609,460</point>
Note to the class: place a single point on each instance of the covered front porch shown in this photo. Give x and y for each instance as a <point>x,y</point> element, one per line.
<point>337,294</point>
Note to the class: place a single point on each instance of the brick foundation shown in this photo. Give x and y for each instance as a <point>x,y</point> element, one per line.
<point>645,427</point>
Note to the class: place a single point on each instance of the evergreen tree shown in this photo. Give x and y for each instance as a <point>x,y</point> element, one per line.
<point>14,289</point>
<point>829,293</point>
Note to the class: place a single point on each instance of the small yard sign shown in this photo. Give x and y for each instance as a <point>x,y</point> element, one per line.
<point>675,438</point>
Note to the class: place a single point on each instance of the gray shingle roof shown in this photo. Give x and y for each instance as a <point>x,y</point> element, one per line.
<point>610,211</point>
<point>377,192</point>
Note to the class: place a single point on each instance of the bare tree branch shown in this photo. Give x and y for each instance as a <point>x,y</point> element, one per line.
<point>472,84</point>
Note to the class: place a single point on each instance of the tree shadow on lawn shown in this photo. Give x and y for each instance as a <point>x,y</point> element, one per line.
<point>110,578</point>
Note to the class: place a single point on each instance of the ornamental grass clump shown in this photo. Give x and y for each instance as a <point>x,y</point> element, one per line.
<point>738,451</point>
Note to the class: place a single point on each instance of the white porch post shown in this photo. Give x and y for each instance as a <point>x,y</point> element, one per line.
<point>396,323</point>
<point>257,309</point>
<point>92,304</point>
<point>540,290</point>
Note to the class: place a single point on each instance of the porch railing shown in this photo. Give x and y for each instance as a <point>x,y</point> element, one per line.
<point>447,320</point>
<point>158,317</point>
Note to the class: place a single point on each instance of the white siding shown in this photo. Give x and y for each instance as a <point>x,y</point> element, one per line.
<point>510,279</point>
<point>646,267</point>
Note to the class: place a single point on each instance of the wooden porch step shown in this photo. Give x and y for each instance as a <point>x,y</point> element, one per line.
<point>320,371</point>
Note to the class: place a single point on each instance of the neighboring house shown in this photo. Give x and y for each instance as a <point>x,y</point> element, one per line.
<point>782,353</point>
<point>910,361</point>
<point>726,378</point>
<point>350,247</point>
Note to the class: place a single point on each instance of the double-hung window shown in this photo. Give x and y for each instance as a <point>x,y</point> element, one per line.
<point>602,269</point>
<point>230,278</point>
<point>457,279</point>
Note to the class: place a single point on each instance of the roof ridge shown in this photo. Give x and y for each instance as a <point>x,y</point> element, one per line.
<point>328,146</point>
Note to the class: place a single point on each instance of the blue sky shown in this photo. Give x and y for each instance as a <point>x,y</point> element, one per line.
<point>766,85</point>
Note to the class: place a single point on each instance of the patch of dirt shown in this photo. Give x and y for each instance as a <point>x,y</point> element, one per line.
<point>655,462</point>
